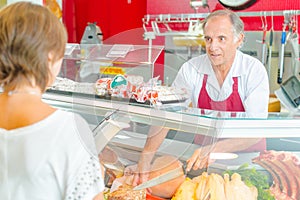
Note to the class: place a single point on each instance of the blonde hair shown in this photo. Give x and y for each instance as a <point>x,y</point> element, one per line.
<point>28,33</point>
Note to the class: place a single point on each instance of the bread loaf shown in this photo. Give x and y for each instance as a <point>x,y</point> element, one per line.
<point>126,192</point>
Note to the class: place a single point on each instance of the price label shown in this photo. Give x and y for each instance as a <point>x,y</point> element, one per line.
<point>112,70</point>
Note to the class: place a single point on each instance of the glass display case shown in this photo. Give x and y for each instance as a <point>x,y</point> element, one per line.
<point>83,62</point>
<point>123,126</point>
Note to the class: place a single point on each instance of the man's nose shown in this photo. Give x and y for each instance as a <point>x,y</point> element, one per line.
<point>213,45</point>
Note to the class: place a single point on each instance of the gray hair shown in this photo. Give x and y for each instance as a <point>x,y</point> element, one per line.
<point>237,23</point>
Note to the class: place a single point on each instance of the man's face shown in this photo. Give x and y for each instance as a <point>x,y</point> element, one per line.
<point>220,42</point>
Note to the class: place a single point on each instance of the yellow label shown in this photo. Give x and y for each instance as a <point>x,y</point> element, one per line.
<point>112,70</point>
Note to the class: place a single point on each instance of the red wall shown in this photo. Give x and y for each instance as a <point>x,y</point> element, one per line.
<point>155,7</point>
<point>125,16</point>
<point>183,6</point>
<point>113,16</point>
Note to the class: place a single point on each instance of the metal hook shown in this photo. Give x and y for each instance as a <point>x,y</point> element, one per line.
<point>266,22</point>
<point>160,17</point>
<point>169,17</point>
<point>262,21</point>
<point>296,13</point>
<point>272,20</point>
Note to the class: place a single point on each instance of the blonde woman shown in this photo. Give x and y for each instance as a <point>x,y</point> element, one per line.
<point>45,153</point>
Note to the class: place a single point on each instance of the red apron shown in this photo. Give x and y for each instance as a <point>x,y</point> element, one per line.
<point>232,104</point>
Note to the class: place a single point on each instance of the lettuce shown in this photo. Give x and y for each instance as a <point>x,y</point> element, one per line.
<point>251,177</point>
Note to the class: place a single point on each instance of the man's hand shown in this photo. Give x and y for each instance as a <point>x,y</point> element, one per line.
<point>140,173</point>
<point>139,176</point>
<point>200,159</point>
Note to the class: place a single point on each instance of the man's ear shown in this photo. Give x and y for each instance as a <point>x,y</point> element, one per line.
<point>240,40</point>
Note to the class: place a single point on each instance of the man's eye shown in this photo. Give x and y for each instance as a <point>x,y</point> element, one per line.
<point>207,39</point>
<point>222,38</point>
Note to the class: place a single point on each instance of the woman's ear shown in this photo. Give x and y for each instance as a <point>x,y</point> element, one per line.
<point>50,69</point>
<point>50,57</point>
<point>54,67</point>
<point>50,61</point>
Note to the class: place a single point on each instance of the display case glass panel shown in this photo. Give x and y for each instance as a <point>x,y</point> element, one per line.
<point>122,127</point>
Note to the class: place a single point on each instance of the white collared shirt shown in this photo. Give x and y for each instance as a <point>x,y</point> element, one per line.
<point>253,83</point>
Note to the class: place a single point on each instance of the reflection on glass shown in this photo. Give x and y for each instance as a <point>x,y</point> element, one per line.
<point>2,3</point>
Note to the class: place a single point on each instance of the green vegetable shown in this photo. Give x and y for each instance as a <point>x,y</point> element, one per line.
<point>251,177</point>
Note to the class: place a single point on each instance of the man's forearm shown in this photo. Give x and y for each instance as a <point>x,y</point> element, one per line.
<point>155,138</point>
<point>234,144</point>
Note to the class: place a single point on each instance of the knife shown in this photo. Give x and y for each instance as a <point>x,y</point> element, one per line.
<point>163,178</point>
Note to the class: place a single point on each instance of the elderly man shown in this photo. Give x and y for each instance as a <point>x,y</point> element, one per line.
<point>223,79</point>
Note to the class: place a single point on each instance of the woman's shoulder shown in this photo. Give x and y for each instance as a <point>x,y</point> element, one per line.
<point>68,116</point>
<point>75,123</point>
<point>68,127</point>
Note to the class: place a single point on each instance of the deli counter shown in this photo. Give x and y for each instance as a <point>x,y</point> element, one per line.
<point>122,125</point>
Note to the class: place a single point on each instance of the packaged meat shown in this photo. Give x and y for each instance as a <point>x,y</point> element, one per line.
<point>102,86</point>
